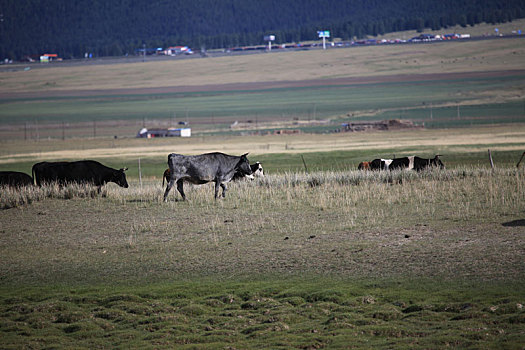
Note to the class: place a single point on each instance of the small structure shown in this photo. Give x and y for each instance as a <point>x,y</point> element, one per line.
<point>48,57</point>
<point>171,132</point>
<point>177,50</point>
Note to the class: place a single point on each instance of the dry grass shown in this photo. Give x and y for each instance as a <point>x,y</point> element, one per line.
<point>449,57</point>
<point>392,259</point>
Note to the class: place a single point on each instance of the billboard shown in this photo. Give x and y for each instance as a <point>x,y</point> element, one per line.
<point>323,33</point>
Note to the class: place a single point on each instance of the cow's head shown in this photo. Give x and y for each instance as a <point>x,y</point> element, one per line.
<point>257,169</point>
<point>437,162</point>
<point>244,165</point>
<point>120,178</point>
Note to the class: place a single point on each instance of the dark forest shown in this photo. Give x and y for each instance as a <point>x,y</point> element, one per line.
<point>119,27</point>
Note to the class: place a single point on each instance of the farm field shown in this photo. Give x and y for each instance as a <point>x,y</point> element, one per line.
<point>314,255</point>
<point>438,85</point>
<point>325,259</point>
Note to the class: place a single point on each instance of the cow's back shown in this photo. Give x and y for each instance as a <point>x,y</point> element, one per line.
<point>15,179</point>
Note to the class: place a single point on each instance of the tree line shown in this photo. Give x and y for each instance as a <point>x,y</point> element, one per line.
<point>119,27</point>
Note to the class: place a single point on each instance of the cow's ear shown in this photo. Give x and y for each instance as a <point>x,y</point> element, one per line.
<point>123,169</point>
<point>245,155</point>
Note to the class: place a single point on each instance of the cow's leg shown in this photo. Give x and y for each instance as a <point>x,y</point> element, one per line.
<point>180,188</point>
<point>217,185</point>
<point>168,188</point>
<point>224,189</point>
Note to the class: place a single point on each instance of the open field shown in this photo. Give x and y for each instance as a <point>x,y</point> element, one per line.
<point>387,260</point>
<point>445,84</point>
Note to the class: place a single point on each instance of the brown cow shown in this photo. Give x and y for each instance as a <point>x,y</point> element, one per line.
<point>363,166</point>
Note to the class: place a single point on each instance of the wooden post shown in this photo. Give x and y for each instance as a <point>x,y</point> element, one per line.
<point>304,163</point>
<point>140,176</point>
<point>490,158</point>
<point>522,155</point>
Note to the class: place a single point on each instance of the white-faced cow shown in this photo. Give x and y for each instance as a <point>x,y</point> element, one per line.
<point>257,171</point>
<point>210,167</point>
<point>15,179</point>
<point>81,172</point>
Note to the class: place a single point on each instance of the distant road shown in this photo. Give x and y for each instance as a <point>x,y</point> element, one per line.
<point>216,53</point>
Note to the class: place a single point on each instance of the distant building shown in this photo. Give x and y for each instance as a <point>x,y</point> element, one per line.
<point>177,50</point>
<point>171,132</point>
<point>48,57</point>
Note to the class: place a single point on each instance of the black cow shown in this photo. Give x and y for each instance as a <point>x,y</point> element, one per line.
<point>82,171</point>
<point>15,179</point>
<point>204,168</point>
<point>380,164</point>
<point>402,163</point>
<point>422,163</point>
<point>416,163</point>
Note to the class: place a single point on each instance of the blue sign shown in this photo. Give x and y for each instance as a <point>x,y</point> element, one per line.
<point>323,33</point>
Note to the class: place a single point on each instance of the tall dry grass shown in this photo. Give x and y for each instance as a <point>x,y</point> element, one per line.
<point>362,198</point>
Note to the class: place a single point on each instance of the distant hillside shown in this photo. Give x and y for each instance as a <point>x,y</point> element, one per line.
<point>118,27</point>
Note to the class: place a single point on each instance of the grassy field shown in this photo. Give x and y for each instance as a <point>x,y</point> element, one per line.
<point>329,259</point>
<point>484,79</point>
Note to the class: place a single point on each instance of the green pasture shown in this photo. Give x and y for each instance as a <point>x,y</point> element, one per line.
<point>280,163</point>
<point>390,100</point>
<point>276,313</point>
<point>460,115</point>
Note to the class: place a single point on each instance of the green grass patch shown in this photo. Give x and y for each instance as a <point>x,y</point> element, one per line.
<point>305,103</point>
<point>282,314</point>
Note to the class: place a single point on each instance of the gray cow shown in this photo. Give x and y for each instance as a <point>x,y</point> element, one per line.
<point>204,168</point>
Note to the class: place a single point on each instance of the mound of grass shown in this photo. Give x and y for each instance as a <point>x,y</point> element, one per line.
<point>291,314</point>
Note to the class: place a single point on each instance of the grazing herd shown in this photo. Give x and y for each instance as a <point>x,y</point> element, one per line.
<point>214,167</point>
<point>412,162</point>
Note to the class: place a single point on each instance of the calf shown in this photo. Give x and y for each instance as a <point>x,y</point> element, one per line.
<point>257,171</point>
<point>363,166</point>
<point>15,179</point>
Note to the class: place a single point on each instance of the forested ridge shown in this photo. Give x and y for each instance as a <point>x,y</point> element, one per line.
<point>116,27</point>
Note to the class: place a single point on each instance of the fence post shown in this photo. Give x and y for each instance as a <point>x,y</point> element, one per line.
<point>522,155</point>
<point>304,163</point>
<point>491,162</point>
<point>140,176</point>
